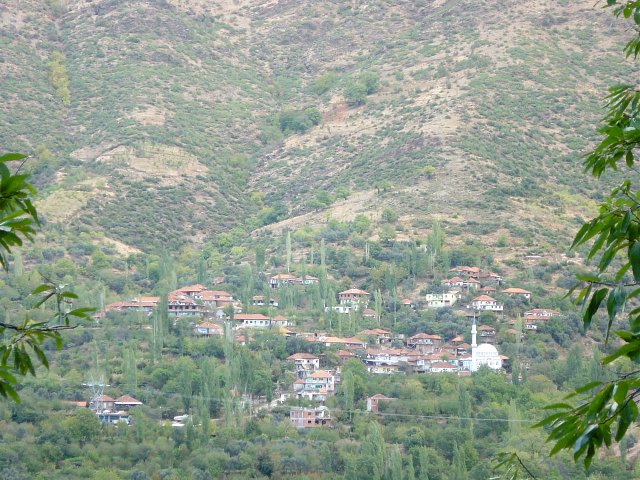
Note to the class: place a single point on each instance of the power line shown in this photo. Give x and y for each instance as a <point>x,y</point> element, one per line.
<point>358,412</point>
<point>437,417</point>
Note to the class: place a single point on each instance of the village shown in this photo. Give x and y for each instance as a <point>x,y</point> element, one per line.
<point>216,313</point>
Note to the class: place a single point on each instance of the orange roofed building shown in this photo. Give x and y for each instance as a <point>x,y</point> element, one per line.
<point>517,291</point>
<point>352,299</point>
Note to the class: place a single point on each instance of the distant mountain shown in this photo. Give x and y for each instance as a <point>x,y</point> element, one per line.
<point>164,122</point>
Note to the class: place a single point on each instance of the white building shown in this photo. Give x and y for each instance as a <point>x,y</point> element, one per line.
<point>440,300</point>
<point>485,302</point>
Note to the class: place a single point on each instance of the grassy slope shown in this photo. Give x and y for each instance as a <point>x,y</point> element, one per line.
<point>501,99</point>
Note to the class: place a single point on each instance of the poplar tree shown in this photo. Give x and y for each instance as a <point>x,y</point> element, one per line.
<point>459,464</point>
<point>423,463</point>
<point>288,247</point>
<point>395,465</point>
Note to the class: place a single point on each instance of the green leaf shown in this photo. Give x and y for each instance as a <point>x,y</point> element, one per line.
<point>588,386</point>
<point>634,259</point>
<point>615,303</point>
<point>41,289</point>
<point>630,350</point>
<point>8,157</point>
<point>594,304</point>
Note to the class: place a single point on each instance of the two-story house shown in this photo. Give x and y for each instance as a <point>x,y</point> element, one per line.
<point>441,300</point>
<point>302,417</point>
<point>485,302</point>
<point>425,342</point>
<point>305,363</point>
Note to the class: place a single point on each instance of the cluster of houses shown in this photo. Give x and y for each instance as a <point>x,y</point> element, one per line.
<point>216,311</point>
<point>468,279</point>
<point>191,301</point>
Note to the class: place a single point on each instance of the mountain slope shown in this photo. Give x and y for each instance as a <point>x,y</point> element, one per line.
<point>476,115</point>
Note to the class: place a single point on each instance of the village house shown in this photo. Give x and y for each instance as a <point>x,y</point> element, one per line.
<point>282,280</point>
<point>382,337</point>
<point>345,355</point>
<point>251,320</point>
<point>302,417</point>
<point>517,291</point>
<point>374,401</point>
<point>207,329</point>
<point>425,342</point>
<point>441,300</point>
<point>308,280</point>
<point>485,302</point>
<point>317,386</point>
<point>182,305</point>
<point>462,349</point>
<point>243,338</point>
<point>102,403</point>
<point>279,321</point>
<point>487,290</point>
<point>407,303</point>
<point>113,411</point>
<point>543,313</point>
<point>258,320</point>
<point>142,304</point>
<point>352,299</point>
<point>487,334</point>
<point>369,313</point>
<point>305,363</point>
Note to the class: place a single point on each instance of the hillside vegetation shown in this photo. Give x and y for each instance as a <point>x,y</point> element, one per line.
<point>205,116</point>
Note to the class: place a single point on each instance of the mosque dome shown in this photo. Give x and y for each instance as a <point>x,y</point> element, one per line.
<point>486,350</point>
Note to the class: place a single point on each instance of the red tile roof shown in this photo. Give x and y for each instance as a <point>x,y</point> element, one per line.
<point>127,400</point>
<point>519,291</point>
<point>302,356</point>
<point>484,298</point>
<point>353,291</point>
<point>249,316</point>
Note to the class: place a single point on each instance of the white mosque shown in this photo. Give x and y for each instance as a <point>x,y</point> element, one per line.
<point>483,354</point>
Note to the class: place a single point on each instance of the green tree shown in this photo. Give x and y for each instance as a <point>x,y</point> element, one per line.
<point>395,465</point>
<point>606,410</point>
<point>459,464</point>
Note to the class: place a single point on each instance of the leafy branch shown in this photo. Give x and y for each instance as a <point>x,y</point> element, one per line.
<point>608,409</point>
<point>19,342</point>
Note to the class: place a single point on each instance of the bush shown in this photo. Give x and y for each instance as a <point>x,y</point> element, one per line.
<point>299,121</point>
<point>355,94</point>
